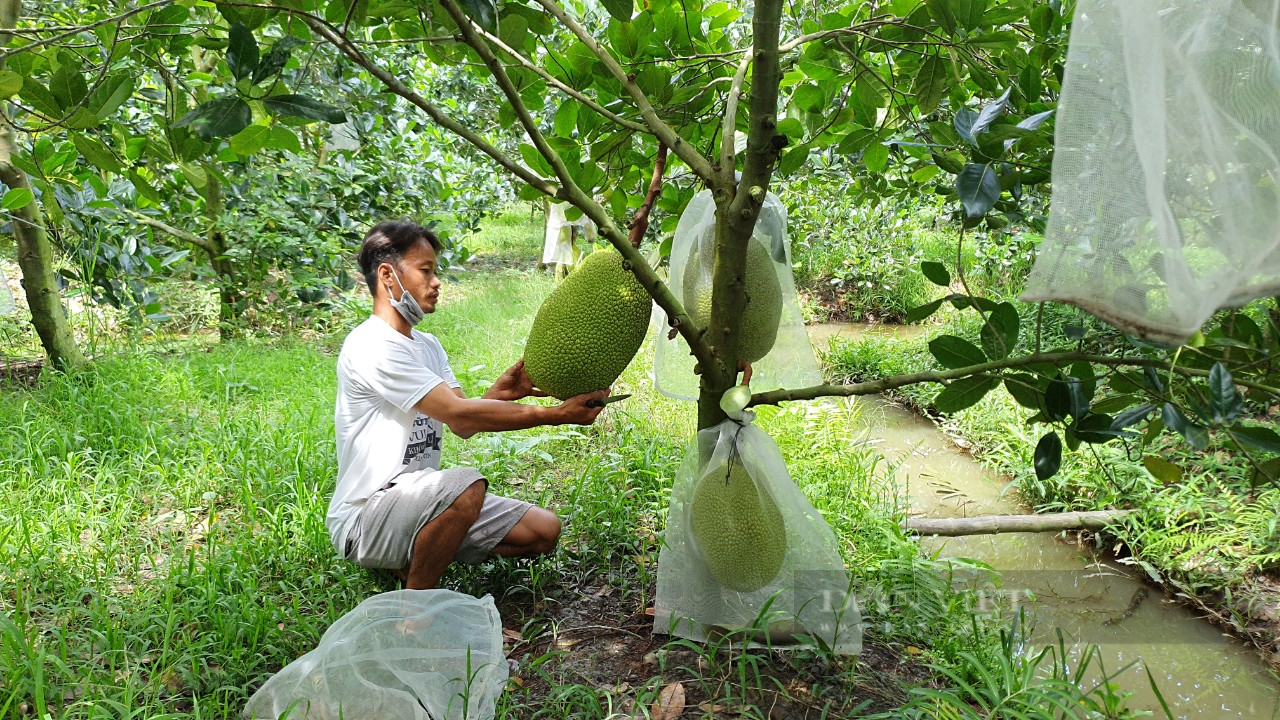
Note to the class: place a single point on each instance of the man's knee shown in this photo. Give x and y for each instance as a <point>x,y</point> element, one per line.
<point>547,527</point>
<point>470,502</point>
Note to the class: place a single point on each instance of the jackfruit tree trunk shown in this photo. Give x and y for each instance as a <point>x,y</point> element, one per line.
<point>736,213</point>
<point>230,291</point>
<point>35,252</point>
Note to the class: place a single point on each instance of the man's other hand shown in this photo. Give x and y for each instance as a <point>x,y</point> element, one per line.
<point>576,411</point>
<point>514,384</point>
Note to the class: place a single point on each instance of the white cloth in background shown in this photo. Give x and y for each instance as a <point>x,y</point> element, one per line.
<point>381,376</point>
<point>558,247</point>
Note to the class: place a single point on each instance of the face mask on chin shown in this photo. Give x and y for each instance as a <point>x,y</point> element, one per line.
<point>407,306</point>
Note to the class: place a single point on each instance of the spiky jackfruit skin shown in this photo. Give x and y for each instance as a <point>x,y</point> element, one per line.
<point>588,329</point>
<point>737,528</point>
<point>759,327</point>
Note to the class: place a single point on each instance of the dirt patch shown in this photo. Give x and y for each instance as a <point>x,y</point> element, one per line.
<point>597,647</point>
<point>22,373</point>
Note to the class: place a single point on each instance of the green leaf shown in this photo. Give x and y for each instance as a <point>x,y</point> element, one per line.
<point>1095,428</point>
<point>566,118</point>
<point>96,153</point>
<point>951,162</point>
<point>930,84</point>
<point>1132,416</point>
<point>990,112</point>
<point>999,333</point>
<point>534,160</point>
<point>790,127</point>
<point>1268,471</point>
<point>282,138</point>
<point>876,157</point>
<point>242,51</point>
<point>68,86</point>
<point>1041,19</point>
<point>963,393</point>
<point>1176,421</point>
<point>1048,456</point>
<point>219,118</point>
<point>294,105</point>
<point>940,11</point>
<point>275,59</point>
<point>1258,438</point>
<point>250,140</point>
<point>916,314</point>
<point>1057,400</point>
<point>620,9</point>
<point>1162,470</point>
<point>954,352</point>
<point>979,189</point>
<point>10,83</point>
<point>936,273</point>
<point>194,175</point>
<point>1225,400</point>
<point>110,95</point>
<point>808,98</point>
<point>793,159</point>
<point>39,98</point>
<point>1025,390</point>
<point>484,13</point>
<point>17,198</point>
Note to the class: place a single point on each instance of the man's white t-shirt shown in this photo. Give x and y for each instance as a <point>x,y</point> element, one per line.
<point>381,376</point>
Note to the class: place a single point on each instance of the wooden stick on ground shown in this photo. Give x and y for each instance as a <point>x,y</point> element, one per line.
<point>993,524</point>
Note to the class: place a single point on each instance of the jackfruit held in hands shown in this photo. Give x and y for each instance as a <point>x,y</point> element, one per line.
<point>737,528</point>
<point>759,328</point>
<point>588,329</point>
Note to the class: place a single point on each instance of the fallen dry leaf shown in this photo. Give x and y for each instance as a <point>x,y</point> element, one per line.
<point>648,611</point>
<point>670,703</point>
<point>512,634</point>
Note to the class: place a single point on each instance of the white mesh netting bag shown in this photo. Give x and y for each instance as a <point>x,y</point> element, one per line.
<point>745,550</point>
<point>561,244</point>
<point>788,360</point>
<point>1166,173</point>
<point>421,654</point>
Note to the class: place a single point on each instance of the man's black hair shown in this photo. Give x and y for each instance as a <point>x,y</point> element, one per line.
<point>387,243</point>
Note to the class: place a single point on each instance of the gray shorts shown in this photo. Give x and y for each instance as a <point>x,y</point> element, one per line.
<point>382,534</point>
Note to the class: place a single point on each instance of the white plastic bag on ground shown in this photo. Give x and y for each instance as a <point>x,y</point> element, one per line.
<point>744,549</point>
<point>790,362</point>
<point>409,654</point>
<point>1166,171</point>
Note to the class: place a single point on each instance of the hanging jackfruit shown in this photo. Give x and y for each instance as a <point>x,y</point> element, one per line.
<point>737,528</point>
<point>759,328</point>
<point>588,329</point>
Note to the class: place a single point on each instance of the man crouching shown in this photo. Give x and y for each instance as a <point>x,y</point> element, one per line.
<point>394,508</point>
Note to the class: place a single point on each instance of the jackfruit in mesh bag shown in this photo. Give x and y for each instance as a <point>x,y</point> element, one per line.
<point>410,654</point>
<point>772,335</point>
<point>745,550</point>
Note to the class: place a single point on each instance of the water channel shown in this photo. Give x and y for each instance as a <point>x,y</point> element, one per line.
<point>1201,672</point>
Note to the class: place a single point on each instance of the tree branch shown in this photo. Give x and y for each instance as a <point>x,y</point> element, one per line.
<point>640,221</point>
<point>873,387</point>
<point>346,47</point>
<point>727,148</point>
<point>562,87</point>
<point>665,133</point>
<point>179,233</point>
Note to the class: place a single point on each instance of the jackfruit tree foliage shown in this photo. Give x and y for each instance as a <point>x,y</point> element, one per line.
<point>588,329</point>
<point>737,527</point>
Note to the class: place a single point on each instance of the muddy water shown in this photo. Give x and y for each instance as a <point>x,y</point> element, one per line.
<point>1200,672</point>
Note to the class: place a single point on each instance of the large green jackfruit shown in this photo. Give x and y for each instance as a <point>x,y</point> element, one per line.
<point>759,328</point>
<point>588,329</point>
<point>737,528</point>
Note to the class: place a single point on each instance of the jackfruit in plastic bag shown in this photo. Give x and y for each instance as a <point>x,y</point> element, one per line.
<point>772,335</point>
<point>420,654</point>
<point>745,550</point>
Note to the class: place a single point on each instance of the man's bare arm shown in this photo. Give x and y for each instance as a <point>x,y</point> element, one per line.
<point>466,417</point>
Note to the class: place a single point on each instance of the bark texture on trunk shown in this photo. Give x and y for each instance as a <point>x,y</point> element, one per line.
<point>35,252</point>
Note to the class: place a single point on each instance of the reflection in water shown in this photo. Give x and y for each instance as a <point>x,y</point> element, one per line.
<point>1201,672</point>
